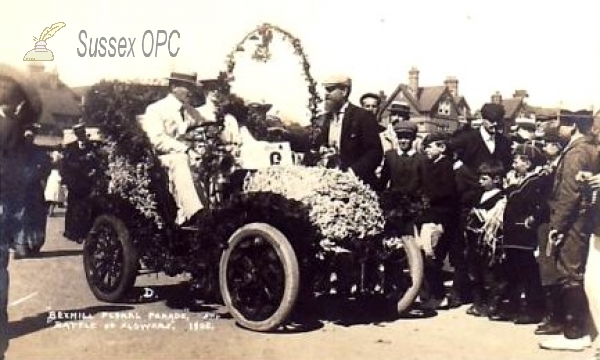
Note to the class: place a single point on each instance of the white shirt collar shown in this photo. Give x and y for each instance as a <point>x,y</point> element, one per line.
<point>485,135</point>
<point>410,152</point>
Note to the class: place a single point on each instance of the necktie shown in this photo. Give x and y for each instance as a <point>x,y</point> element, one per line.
<point>182,112</point>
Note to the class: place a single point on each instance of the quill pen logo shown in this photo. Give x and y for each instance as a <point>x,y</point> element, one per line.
<point>40,52</point>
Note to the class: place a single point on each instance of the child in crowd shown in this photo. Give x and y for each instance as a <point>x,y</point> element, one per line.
<point>402,167</point>
<point>439,187</point>
<point>526,208</point>
<point>484,238</point>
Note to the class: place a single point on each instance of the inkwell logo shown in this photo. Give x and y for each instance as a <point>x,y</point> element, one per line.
<point>40,52</point>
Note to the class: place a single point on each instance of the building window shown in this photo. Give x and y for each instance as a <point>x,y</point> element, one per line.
<point>444,108</point>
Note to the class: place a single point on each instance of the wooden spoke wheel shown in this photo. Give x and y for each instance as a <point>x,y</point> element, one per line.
<point>259,277</point>
<point>109,258</point>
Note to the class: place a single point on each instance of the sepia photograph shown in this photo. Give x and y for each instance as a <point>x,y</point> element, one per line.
<point>295,180</point>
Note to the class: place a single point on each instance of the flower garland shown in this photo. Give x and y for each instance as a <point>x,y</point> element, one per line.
<point>133,171</point>
<point>264,33</point>
<point>132,182</point>
<point>340,205</point>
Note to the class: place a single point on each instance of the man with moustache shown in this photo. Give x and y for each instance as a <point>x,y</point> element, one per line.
<point>351,132</point>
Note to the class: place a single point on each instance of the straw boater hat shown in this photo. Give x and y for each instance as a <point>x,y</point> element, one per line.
<point>190,78</point>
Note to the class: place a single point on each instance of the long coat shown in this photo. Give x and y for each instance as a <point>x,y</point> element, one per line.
<point>360,146</point>
<point>569,213</point>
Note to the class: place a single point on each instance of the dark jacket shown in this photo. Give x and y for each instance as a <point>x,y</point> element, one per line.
<point>526,199</point>
<point>360,147</point>
<point>402,173</point>
<point>439,187</point>
<point>569,199</point>
<point>77,168</point>
<point>471,150</point>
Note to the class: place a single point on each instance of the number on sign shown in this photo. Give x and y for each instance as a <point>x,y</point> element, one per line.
<point>275,158</point>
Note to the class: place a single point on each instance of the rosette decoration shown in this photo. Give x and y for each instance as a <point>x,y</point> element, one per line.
<point>340,205</point>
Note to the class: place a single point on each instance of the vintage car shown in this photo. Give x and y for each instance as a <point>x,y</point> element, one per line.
<point>270,237</point>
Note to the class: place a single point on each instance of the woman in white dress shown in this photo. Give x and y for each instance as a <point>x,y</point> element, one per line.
<point>54,192</point>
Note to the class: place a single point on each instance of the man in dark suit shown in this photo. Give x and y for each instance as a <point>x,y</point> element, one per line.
<point>349,131</point>
<point>472,148</point>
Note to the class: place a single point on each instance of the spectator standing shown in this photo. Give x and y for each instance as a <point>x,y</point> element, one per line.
<point>439,187</point>
<point>54,193</point>
<point>350,132</point>
<point>403,167</point>
<point>32,235</point>
<point>569,230</point>
<point>79,165</point>
<point>472,148</point>
<point>20,106</point>
<point>527,190</point>
<point>484,238</point>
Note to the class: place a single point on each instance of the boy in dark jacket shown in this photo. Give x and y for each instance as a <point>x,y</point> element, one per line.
<point>484,238</point>
<point>526,209</point>
<point>439,187</point>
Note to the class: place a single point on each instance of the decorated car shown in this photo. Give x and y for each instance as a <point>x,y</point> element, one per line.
<point>269,238</point>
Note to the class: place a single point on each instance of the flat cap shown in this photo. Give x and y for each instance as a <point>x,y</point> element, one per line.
<point>435,137</point>
<point>405,129</point>
<point>531,152</point>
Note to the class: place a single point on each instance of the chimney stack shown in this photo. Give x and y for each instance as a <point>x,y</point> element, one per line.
<point>451,83</point>
<point>413,80</point>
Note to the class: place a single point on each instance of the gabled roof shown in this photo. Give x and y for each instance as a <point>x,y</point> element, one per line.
<point>59,101</point>
<point>511,107</point>
<point>402,89</point>
<point>425,100</point>
<point>429,96</point>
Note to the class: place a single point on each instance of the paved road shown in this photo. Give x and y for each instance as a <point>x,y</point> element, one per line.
<point>54,316</point>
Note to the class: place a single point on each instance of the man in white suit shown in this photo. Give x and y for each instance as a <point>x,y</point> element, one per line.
<point>165,122</point>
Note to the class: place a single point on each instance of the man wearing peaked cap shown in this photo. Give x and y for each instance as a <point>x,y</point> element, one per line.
<point>351,132</point>
<point>569,219</point>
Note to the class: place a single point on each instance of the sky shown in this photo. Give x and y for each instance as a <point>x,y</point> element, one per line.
<point>550,48</point>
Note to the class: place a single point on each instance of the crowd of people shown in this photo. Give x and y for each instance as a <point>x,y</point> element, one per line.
<point>515,216</point>
<point>518,213</point>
